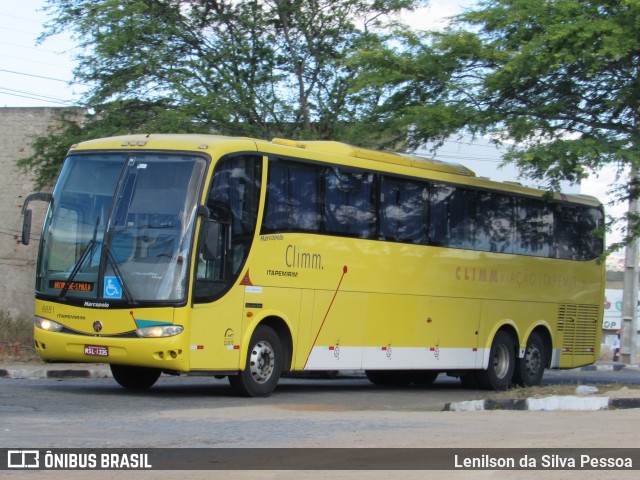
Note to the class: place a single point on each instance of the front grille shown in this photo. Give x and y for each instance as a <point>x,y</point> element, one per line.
<point>131,334</point>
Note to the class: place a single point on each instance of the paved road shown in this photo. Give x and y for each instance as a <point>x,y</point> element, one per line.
<point>202,412</point>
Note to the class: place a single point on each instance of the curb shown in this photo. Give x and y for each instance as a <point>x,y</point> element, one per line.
<point>41,373</point>
<point>547,404</point>
<point>608,367</point>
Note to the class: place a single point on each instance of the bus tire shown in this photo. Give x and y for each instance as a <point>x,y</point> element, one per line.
<point>389,378</point>
<point>135,378</point>
<point>502,359</point>
<point>263,365</point>
<point>530,369</point>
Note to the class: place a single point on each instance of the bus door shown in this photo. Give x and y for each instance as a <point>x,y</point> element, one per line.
<point>228,228</point>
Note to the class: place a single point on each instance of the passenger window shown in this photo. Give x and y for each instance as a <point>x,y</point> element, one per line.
<point>534,227</point>
<point>349,206</point>
<point>494,225</point>
<point>292,198</point>
<point>403,210</point>
<point>450,222</point>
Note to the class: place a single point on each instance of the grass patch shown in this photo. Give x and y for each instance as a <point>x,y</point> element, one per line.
<point>16,339</point>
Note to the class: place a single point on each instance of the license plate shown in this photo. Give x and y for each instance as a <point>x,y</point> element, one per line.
<point>96,350</point>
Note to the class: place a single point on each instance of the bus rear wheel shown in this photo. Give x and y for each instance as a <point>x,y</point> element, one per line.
<point>499,373</point>
<point>263,365</point>
<point>530,369</point>
<point>135,378</point>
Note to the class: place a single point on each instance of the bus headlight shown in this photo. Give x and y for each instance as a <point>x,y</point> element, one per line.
<point>48,325</point>
<point>158,331</point>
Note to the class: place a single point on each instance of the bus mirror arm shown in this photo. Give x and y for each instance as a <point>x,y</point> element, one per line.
<point>27,213</point>
<point>204,212</point>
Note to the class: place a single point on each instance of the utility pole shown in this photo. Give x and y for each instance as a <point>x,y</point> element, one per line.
<point>628,342</point>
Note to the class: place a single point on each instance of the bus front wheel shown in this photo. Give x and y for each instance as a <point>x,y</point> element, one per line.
<point>135,378</point>
<point>502,359</point>
<point>263,365</point>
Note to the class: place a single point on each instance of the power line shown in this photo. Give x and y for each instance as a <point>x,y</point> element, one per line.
<point>8,29</point>
<point>22,59</point>
<point>39,97</point>
<point>34,96</point>
<point>20,18</point>
<point>70,82</point>
<point>37,49</point>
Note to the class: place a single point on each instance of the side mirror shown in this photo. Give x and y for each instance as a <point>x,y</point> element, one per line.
<point>27,214</point>
<point>26,227</point>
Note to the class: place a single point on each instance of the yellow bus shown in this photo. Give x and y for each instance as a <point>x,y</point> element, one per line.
<point>246,258</point>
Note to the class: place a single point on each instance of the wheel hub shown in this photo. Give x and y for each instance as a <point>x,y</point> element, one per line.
<point>501,361</point>
<point>262,361</point>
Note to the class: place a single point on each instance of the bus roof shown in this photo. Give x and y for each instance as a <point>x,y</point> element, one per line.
<point>195,142</point>
<point>339,148</point>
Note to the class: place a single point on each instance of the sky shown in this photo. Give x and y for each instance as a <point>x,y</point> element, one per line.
<point>31,74</point>
<point>36,75</point>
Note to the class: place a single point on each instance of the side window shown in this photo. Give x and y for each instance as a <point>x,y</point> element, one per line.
<point>494,222</point>
<point>567,232</point>
<point>403,210</point>
<point>534,227</point>
<point>349,203</point>
<point>576,236</point>
<point>292,198</point>
<point>236,187</point>
<point>451,216</point>
<point>592,244</point>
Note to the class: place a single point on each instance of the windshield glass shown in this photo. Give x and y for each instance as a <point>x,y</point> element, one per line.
<point>120,227</point>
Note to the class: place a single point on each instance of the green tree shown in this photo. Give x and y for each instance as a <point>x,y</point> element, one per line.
<point>260,68</point>
<point>559,78</point>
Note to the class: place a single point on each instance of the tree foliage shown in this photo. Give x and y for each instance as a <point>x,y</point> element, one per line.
<point>246,65</point>
<point>559,78</point>
<point>260,68</point>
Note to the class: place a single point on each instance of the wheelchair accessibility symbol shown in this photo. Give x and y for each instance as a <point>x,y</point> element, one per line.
<point>112,288</point>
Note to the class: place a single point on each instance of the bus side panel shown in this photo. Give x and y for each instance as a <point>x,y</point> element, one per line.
<point>216,332</point>
<point>390,339</point>
<point>302,348</point>
<point>450,326</point>
<point>337,330</point>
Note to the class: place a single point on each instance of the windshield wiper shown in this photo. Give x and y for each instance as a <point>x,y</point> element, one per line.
<point>86,253</point>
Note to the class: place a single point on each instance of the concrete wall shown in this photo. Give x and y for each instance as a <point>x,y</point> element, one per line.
<point>19,127</point>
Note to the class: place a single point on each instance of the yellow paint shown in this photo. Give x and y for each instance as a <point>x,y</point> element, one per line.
<point>342,292</point>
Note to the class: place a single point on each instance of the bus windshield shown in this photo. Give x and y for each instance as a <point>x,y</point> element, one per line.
<point>119,228</point>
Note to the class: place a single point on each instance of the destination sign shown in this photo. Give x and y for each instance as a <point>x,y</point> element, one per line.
<point>80,286</point>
